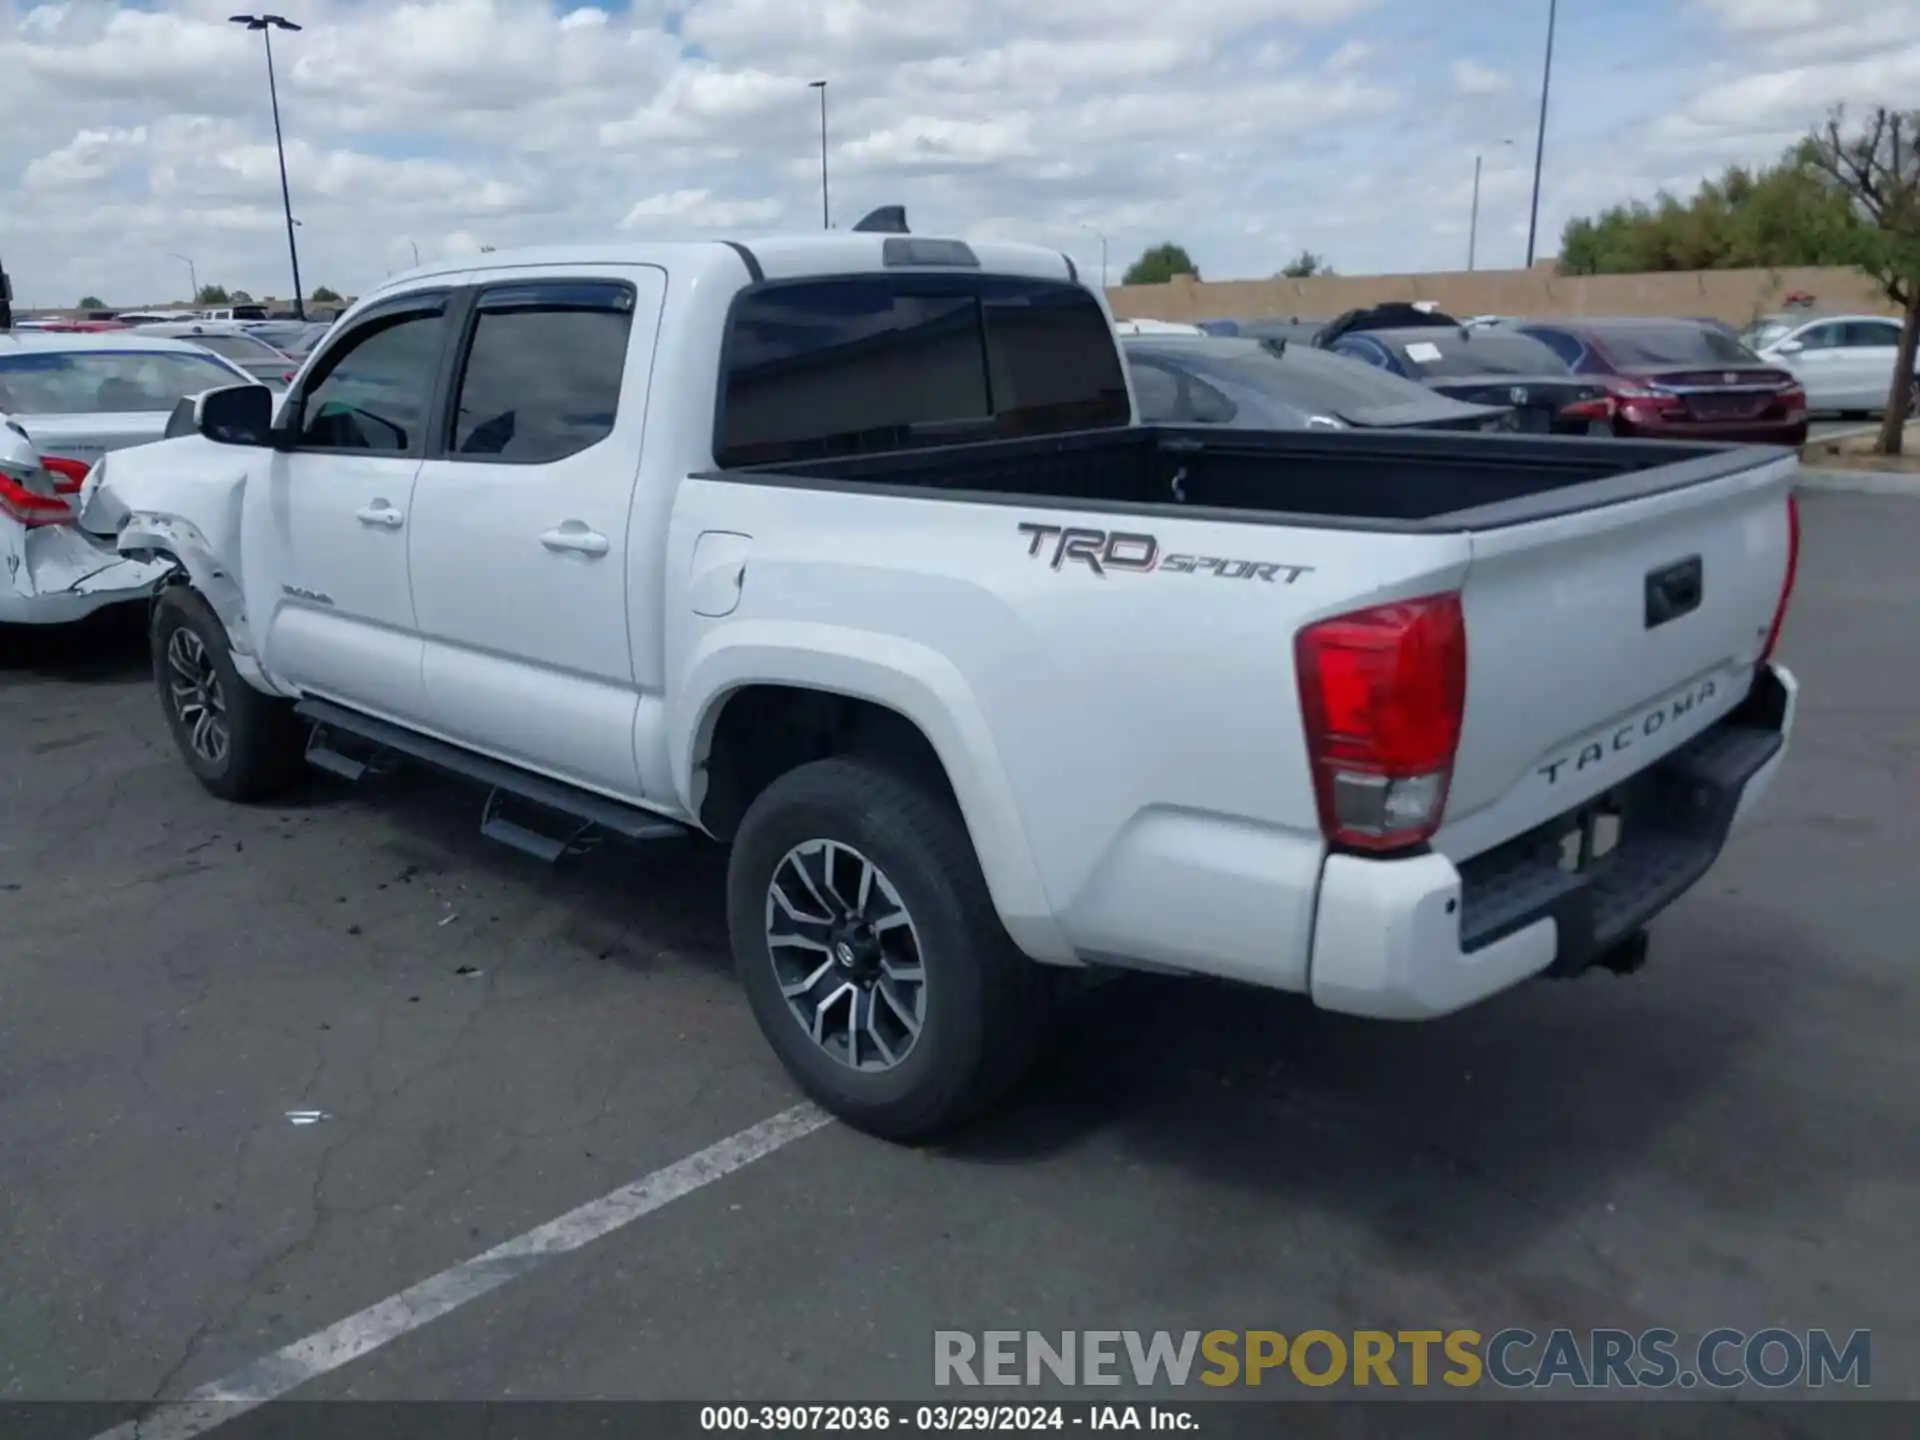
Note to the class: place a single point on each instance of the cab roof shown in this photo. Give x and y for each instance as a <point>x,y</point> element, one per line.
<point>775,257</point>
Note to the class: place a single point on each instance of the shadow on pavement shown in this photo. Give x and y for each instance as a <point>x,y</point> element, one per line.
<point>108,645</point>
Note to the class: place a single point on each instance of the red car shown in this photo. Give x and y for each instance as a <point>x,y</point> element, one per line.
<point>1680,380</point>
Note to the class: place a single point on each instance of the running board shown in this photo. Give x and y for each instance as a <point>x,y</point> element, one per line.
<point>592,814</point>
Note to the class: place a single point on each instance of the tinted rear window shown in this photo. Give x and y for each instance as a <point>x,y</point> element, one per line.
<point>1442,354</point>
<point>839,367</point>
<point>1671,344</point>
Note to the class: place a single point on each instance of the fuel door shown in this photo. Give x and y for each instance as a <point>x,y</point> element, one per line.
<point>719,571</point>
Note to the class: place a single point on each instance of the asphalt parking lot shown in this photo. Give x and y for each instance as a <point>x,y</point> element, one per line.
<point>1730,1138</point>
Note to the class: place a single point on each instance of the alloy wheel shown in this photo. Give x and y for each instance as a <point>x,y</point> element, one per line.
<point>846,955</point>
<point>199,702</point>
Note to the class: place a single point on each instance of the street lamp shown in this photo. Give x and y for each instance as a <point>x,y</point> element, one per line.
<point>1540,142</point>
<point>826,222</point>
<point>266,25</point>
<point>1103,253</point>
<point>1473,225</point>
<point>193,277</point>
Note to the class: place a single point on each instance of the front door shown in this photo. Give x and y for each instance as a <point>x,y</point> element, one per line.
<point>329,525</point>
<point>1872,347</point>
<point>520,543</point>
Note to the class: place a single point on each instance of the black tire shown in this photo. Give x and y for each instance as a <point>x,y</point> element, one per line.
<point>265,742</point>
<point>987,1006</point>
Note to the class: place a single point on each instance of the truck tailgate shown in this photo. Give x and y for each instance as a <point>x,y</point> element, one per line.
<point>1600,640</point>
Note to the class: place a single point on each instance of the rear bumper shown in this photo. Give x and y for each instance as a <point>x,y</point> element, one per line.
<point>54,575</point>
<point>1416,938</point>
<point>1730,432</point>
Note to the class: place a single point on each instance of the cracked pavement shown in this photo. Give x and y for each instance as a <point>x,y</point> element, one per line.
<point>1730,1138</point>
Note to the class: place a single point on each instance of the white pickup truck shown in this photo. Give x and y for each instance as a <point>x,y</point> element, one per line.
<point>846,551</point>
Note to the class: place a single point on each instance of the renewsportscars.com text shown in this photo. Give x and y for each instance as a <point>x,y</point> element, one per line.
<point>1510,1359</point>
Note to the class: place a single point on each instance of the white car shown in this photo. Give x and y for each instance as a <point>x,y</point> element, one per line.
<point>1845,362</point>
<point>845,550</point>
<point>66,400</point>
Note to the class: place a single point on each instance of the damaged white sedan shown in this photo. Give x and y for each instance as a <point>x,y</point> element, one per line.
<point>65,402</point>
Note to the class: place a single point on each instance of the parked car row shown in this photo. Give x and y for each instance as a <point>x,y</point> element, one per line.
<point>1650,378</point>
<point>1676,378</point>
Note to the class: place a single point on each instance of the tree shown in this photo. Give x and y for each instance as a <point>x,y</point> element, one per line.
<point>92,302</point>
<point>1875,169</point>
<point>1784,215</point>
<point>324,296</point>
<point>1159,264</point>
<point>212,295</point>
<point>1305,266</point>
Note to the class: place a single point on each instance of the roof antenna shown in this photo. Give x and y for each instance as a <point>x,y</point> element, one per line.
<point>887,220</point>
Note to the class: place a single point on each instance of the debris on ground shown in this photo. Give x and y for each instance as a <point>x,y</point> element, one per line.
<point>307,1117</point>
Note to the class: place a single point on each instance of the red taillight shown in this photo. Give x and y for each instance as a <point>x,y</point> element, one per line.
<point>1786,584</point>
<point>31,507</point>
<point>68,475</point>
<point>1382,691</point>
<point>1636,398</point>
<point>1596,409</point>
<point>1794,398</point>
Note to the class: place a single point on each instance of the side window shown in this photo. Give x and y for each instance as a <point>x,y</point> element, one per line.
<point>542,374</point>
<point>1364,351</point>
<point>1872,334</point>
<point>372,390</point>
<point>1157,393</point>
<point>1207,405</point>
<point>1822,337</point>
<point>841,367</point>
<point>1561,343</point>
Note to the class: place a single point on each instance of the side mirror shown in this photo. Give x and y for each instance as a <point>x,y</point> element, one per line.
<point>235,415</point>
<point>1788,347</point>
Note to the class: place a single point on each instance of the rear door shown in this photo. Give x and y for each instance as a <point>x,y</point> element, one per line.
<point>519,549</point>
<point>1600,640</point>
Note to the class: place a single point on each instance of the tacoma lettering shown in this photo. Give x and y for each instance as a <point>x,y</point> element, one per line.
<point>1630,734</point>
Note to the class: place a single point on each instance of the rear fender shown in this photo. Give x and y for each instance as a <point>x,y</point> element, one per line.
<point>901,675</point>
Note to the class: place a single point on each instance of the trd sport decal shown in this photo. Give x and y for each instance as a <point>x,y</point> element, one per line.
<point>1104,550</point>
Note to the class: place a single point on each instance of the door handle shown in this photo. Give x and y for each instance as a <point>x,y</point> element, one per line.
<point>379,513</point>
<point>576,538</point>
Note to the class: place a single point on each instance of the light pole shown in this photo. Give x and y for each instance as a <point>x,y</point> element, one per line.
<point>826,220</point>
<point>1540,141</point>
<point>1473,225</point>
<point>193,277</point>
<point>266,25</point>
<point>1103,253</point>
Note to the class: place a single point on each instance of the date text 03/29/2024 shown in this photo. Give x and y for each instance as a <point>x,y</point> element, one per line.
<point>943,1419</point>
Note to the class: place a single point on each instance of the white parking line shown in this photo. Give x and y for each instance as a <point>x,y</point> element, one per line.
<point>291,1366</point>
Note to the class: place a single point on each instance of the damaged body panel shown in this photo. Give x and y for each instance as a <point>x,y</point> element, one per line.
<point>180,504</point>
<point>55,575</point>
<point>50,572</point>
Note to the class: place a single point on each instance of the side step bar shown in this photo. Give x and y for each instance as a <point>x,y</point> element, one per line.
<point>593,814</point>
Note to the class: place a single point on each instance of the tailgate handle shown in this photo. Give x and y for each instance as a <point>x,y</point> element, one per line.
<point>1674,590</point>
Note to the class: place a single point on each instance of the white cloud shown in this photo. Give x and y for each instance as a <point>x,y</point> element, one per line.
<point>1470,77</point>
<point>1245,129</point>
<point>698,210</point>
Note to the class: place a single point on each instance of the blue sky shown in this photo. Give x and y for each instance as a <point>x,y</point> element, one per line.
<point>1245,129</point>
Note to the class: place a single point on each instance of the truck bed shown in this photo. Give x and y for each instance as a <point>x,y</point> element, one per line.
<point>1405,481</point>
